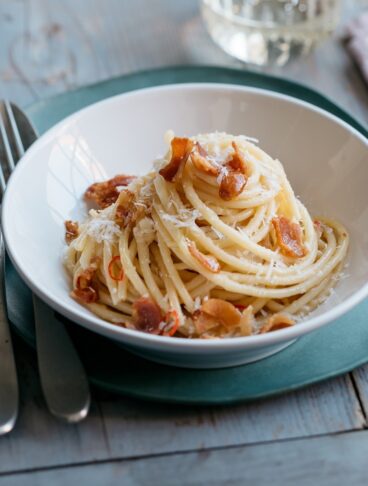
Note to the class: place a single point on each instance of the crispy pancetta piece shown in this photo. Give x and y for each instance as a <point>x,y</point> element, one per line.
<point>276,322</point>
<point>214,313</point>
<point>209,262</point>
<point>232,184</point>
<point>200,161</point>
<point>289,237</point>
<point>237,161</point>
<point>127,211</point>
<point>224,312</point>
<point>71,231</point>
<point>204,322</point>
<point>234,177</point>
<point>147,315</point>
<point>85,290</point>
<point>180,151</point>
<point>106,193</point>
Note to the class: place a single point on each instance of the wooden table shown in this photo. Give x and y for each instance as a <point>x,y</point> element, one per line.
<point>313,435</point>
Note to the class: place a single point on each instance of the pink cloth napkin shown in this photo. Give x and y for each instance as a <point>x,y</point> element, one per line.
<point>357,42</point>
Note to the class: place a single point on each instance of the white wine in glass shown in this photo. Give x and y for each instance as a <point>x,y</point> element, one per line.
<point>269,31</point>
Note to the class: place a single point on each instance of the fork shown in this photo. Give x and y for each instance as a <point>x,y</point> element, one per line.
<point>63,378</point>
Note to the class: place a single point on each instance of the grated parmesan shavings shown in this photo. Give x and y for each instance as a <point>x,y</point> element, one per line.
<point>197,303</point>
<point>101,226</point>
<point>184,217</point>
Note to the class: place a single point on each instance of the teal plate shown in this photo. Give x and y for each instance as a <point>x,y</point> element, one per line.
<point>330,351</point>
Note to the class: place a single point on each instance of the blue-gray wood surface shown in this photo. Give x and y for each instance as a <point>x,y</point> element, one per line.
<point>314,435</point>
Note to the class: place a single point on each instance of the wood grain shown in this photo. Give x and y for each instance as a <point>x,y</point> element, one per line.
<point>119,427</point>
<point>325,408</point>
<point>50,46</point>
<point>324,461</point>
<point>360,380</point>
<point>38,438</point>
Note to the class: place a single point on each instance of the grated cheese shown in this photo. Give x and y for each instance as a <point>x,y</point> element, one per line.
<point>146,226</point>
<point>101,227</point>
<point>197,303</point>
<point>222,173</point>
<point>184,217</point>
<point>146,191</point>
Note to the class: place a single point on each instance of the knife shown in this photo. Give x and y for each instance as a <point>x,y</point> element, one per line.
<point>64,381</point>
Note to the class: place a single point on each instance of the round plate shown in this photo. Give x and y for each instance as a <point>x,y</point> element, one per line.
<point>320,355</point>
<point>319,152</point>
<point>325,353</point>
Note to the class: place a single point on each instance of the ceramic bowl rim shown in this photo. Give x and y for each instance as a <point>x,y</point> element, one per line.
<point>136,337</point>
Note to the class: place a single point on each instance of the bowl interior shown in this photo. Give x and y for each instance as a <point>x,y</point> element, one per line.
<point>325,160</point>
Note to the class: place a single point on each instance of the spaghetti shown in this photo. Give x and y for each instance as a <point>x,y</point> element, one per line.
<point>213,243</point>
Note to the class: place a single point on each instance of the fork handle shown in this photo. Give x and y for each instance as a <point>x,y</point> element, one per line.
<point>63,378</point>
<point>9,393</point>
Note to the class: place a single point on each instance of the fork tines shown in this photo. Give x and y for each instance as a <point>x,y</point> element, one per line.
<point>11,143</point>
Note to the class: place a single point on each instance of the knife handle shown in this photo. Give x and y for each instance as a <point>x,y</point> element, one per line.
<point>9,393</point>
<point>63,378</point>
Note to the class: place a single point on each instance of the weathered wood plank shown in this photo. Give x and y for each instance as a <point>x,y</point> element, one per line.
<point>49,47</point>
<point>79,46</point>
<point>39,439</point>
<point>74,45</point>
<point>325,461</point>
<point>325,408</point>
<point>360,377</point>
<point>118,427</point>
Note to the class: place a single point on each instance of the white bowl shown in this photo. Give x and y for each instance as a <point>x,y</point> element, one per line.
<point>326,161</point>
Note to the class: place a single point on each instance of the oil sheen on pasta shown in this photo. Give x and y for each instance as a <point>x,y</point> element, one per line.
<point>212,243</point>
